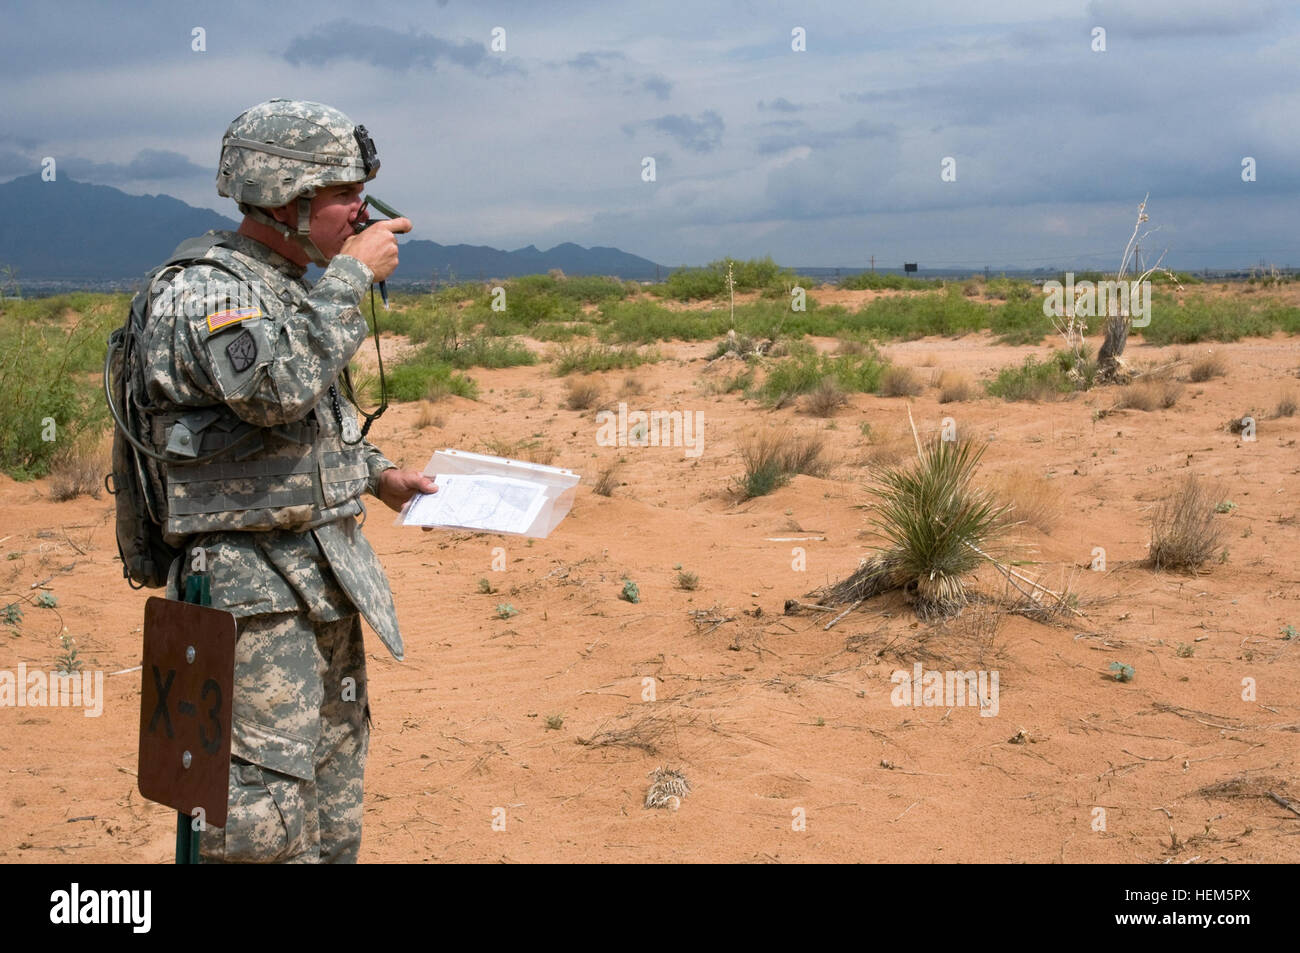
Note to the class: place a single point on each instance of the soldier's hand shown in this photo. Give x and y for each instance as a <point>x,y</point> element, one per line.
<point>376,247</point>
<point>398,486</point>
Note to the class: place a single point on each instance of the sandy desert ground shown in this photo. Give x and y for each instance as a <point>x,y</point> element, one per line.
<point>784,729</point>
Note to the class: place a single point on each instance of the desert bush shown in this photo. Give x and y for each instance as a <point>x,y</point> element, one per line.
<point>1186,320</point>
<point>756,274</point>
<point>882,281</point>
<point>742,380</point>
<point>954,386</point>
<point>1207,367</point>
<point>428,381</point>
<point>1030,498</point>
<point>428,416</point>
<point>1184,535</point>
<point>899,381</point>
<point>775,454</point>
<point>79,471</point>
<point>582,393</point>
<point>914,316</point>
<point>1033,380</point>
<point>645,322</point>
<point>804,371</point>
<point>606,481</point>
<point>1149,395</point>
<point>931,515</point>
<point>886,450</point>
<point>590,358</point>
<point>523,449</point>
<point>51,398</point>
<point>826,398</point>
<point>1286,406</point>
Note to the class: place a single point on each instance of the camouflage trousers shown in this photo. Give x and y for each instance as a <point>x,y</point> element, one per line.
<point>300,732</point>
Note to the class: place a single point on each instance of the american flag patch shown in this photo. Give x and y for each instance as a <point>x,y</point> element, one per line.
<point>220,319</point>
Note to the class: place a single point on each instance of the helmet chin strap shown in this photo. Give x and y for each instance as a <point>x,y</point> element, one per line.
<point>301,237</point>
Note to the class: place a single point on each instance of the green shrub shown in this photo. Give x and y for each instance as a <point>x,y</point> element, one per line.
<point>756,274</point>
<point>805,370</point>
<point>428,381</point>
<point>882,281</point>
<point>931,516</point>
<point>1031,381</point>
<point>775,454</point>
<point>51,359</point>
<point>477,351</point>
<point>915,316</point>
<point>589,358</point>
<point>644,322</point>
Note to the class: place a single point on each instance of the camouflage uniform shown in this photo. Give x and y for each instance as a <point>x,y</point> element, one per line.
<point>273,523</point>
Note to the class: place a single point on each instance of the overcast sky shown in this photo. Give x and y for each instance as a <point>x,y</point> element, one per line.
<point>817,157</point>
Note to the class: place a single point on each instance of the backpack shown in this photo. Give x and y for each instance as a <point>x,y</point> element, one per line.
<point>137,475</point>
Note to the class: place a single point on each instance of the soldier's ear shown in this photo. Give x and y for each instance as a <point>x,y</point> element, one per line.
<point>286,214</point>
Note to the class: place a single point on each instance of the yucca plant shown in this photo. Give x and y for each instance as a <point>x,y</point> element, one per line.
<point>936,526</point>
<point>936,523</point>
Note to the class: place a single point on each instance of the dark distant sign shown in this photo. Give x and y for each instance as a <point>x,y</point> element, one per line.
<point>909,266</point>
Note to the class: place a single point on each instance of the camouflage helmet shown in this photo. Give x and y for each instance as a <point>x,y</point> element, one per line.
<point>283,150</point>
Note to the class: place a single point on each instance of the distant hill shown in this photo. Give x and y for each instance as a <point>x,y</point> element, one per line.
<point>421,259</point>
<point>67,230</point>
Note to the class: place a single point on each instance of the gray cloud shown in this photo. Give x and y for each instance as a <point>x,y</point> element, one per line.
<point>780,104</point>
<point>657,84</point>
<point>593,60</point>
<point>1155,19</point>
<point>14,164</point>
<point>862,129</point>
<point>148,165</point>
<point>699,135</point>
<point>390,49</point>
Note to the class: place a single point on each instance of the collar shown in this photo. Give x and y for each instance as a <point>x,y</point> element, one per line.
<point>263,253</point>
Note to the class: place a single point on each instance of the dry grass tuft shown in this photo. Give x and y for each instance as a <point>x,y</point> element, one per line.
<point>825,398</point>
<point>582,393</point>
<point>854,347</point>
<point>531,450</point>
<point>899,381</point>
<point>1286,407</point>
<point>79,472</point>
<point>1149,395</point>
<point>1032,499</point>
<point>773,455</point>
<point>1209,366</point>
<point>1183,533</point>
<point>887,449</point>
<point>606,481</point>
<point>955,386</point>
<point>632,386</point>
<point>644,735</point>
<point>428,416</point>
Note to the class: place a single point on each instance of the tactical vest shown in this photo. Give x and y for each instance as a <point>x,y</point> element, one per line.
<point>294,477</point>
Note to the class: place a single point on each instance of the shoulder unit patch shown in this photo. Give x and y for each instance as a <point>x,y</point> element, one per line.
<point>242,352</point>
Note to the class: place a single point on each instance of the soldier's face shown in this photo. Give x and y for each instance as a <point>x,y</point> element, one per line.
<point>334,213</point>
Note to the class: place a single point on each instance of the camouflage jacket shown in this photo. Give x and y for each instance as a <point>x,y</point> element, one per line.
<point>249,339</point>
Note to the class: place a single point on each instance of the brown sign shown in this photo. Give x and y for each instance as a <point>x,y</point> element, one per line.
<point>185,702</point>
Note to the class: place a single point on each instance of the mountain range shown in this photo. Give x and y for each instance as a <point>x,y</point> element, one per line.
<point>68,231</point>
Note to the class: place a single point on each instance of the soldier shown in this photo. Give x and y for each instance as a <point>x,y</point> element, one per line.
<point>240,352</point>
